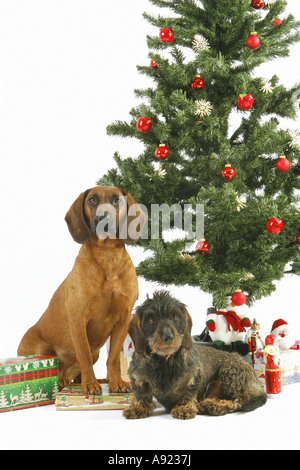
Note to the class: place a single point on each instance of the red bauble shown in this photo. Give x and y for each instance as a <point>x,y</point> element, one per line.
<point>162,152</point>
<point>257,4</point>
<point>153,64</point>
<point>238,298</point>
<point>197,83</point>
<point>298,239</point>
<point>228,172</point>
<point>166,35</point>
<point>144,124</point>
<point>274,226</point>
<point>253,41</point>
<point>245,101</point>
<point>282,164</point>
<point>277,22</point>
<point>202,246</point>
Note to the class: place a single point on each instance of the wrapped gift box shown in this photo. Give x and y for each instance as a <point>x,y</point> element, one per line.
<point>71,398</point>
<point>28,381</point>
<point>289,365</point>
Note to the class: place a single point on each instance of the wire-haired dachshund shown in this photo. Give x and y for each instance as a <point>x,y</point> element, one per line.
<point>186,378</point>
<point>96,299</point>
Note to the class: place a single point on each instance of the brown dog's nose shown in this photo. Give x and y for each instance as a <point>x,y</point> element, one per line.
<point>167,335</point>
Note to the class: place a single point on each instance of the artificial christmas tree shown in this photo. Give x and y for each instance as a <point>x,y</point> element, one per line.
<point>233,118</point>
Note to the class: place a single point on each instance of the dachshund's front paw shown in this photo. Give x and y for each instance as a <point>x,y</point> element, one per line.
<point>184,412</point>
<point>138,411</point>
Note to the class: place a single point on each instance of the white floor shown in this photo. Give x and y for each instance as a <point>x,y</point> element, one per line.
<point>274,426</point>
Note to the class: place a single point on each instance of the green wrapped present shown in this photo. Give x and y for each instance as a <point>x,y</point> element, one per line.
<point>28,381</point>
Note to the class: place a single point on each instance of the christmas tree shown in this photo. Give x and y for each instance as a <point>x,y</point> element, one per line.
<point>212,136</point>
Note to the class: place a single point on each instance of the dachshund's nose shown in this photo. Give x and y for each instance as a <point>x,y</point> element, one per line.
<point>167,336</point>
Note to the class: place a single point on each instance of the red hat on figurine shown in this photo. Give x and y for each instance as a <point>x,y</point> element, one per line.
<point>276,326</point>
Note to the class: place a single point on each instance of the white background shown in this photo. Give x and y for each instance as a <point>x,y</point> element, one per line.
<point>68,69</point>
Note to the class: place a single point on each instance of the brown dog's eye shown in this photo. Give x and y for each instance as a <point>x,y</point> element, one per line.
<point>117,201</point>
<point>150,319</point>
<point>92,201</point>
<point>175,316</point>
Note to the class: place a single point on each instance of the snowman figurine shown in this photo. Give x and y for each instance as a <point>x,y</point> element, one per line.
<point>227,327</point>
<point>285,339</point>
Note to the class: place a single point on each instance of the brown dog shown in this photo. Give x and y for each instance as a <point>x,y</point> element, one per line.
<point>96,299</point>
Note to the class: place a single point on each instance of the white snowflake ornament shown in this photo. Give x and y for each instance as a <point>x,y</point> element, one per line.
<point>295,139</point>
<point>241,202</point>
<point>202,107</point>
<point>267,87</point>
<point>200,43</point>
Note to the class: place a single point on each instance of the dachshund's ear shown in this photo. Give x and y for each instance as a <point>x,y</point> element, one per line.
<point>135,220</point>
<point>187,337</point>
<point>137,336</point>
<point>75,219</point>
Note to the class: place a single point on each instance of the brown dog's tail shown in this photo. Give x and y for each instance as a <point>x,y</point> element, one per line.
<point>254,403</point>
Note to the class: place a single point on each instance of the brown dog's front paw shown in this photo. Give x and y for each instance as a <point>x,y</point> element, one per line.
<point>117,386</point>
<point>91,387</point>
<point>184,412</point>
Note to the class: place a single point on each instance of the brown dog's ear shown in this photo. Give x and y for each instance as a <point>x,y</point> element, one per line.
<point>76,221</point>
<point>187,337</point>
<point>136,334</point>
<point>135,220</point>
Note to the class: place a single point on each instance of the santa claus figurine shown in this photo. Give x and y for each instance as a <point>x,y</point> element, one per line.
<point>272,371</point>
<point>285,339</point>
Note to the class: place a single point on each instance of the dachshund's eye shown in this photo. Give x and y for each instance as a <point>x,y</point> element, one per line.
<point>150,319</point>
<point>175,316</point>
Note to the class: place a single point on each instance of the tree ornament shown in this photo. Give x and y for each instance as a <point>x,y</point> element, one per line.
<point>267,87</point>
<point>253,41</point>
<point>162,152</point>
<point>153,64</point>
<point>277,22</point>
<point>228,172</point>
<point>295,139</point>
<point>203,108</point>
<point>185,257</point>
<point>245,101</point>
<point>298,239</point>
<point>274,226</point>
<point>241,202</point>
<point>197,83</point>
<point>166,35</point>
<point>202,246</point>
<point>257,4</point>
<point>282,163</point>
<point>144,124</point>
<point>238,298</point>
<point>200,43</point>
